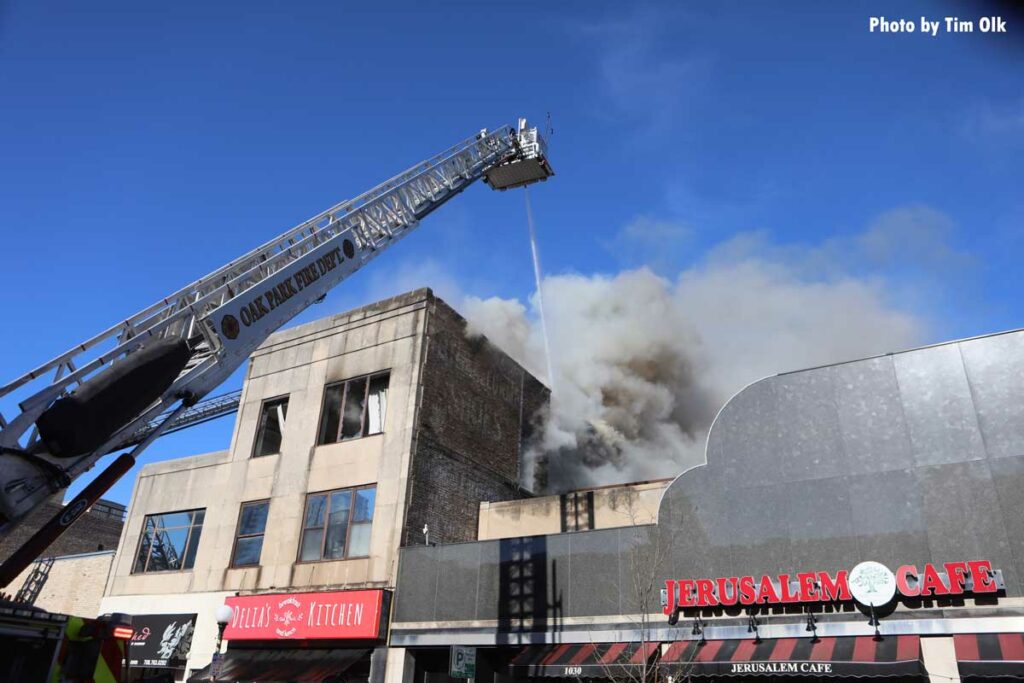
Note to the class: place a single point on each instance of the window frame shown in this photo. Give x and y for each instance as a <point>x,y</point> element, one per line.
<point>261,423</point>
<point>238,528</point>
<point>352,490</point>
<point>369,377</point>
<point>188,539</point>
<point>570,504</point>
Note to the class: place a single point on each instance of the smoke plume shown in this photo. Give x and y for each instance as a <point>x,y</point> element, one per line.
<point>641,362</point>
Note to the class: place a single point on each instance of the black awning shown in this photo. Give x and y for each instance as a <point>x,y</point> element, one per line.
<point>861,656</point>
<point>266,666</point>
<point>990,655</point>
<point>591,660</point>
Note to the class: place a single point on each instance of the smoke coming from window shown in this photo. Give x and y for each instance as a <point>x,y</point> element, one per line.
<point>642,362</point>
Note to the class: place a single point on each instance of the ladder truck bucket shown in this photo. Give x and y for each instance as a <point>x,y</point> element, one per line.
<point>530,164</point>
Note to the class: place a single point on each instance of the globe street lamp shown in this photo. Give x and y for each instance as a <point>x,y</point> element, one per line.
<point>223,616</point>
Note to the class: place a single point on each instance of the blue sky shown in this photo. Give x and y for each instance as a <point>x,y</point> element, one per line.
<point>144,144</point>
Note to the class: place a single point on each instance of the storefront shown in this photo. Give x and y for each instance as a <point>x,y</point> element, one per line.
<point>851,521</point>
<point>319,637</point>
<point>979,657</point>
<point>902,625</point>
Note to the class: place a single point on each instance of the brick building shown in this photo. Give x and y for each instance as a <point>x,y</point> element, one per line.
<point>97,530</point>
<point>354,433</point>
<point>65,584</point>
<point>71,574</point>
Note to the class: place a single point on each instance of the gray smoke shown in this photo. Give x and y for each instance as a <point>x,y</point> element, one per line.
<point>641,363</point>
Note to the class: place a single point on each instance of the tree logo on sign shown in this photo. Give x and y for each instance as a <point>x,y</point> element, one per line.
<point>872,583</point>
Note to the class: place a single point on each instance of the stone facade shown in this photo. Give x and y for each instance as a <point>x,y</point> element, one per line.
<point>457,413</point>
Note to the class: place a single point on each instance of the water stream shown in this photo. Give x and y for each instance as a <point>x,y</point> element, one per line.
<point>540,291</point>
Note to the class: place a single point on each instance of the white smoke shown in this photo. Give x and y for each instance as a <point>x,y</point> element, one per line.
<point>641,363</point>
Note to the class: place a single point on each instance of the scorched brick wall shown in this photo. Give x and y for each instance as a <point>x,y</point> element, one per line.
<point>476,408</point>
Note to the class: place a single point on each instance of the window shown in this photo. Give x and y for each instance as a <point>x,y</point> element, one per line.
<point>354,408</point>
<point>268,434</point>
<point>252,522</point>
<point>169,541</point>
<point>578,511</point>
<point>337,524</point>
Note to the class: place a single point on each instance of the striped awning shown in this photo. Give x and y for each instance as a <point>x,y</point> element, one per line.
<point>590,660</point>
<point>988,655</point>
<point>845,656</point>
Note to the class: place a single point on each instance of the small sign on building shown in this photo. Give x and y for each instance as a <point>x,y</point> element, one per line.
<point>161,640</point>
<point>463,662</point>
<point>216,665</point>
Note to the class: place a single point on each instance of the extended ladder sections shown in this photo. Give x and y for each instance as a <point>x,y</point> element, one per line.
<point>212,325</point>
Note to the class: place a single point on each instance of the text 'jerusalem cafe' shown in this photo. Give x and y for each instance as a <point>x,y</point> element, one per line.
<point>864,519</point>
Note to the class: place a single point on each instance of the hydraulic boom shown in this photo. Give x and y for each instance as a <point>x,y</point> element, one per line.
<point>142,374</point>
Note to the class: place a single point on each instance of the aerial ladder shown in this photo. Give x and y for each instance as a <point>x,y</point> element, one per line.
<point>132,382</point>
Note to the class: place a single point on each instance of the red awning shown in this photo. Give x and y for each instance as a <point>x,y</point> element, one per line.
<point>590,660</point>
<point>853,656</point>
<point>990,654</point>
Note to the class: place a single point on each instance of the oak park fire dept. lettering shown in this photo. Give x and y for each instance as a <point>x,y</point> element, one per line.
<point>807,587</point>
<point>286,289</point>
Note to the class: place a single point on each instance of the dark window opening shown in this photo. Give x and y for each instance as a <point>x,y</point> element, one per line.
<point>577,511</point>
<point>271,427</point>
<point>354,408</point>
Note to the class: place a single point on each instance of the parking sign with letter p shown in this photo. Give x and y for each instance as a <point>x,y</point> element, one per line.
<point>463,662</point>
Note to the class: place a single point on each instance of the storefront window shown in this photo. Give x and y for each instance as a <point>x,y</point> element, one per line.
<point>354,408</point>
<point>169,541</point>
<point>252,522</point>
<point>337,524</point>
<point>271,427</point>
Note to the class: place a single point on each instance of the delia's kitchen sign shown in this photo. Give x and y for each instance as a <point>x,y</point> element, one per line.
<point>869,583</point>
<point>337,614</point>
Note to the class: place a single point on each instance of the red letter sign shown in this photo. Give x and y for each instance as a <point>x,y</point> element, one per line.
<point>339,614</point>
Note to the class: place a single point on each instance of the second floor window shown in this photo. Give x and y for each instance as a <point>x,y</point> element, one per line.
<point>354,408</point>
<point>337,524</point>
<point>252,523</point>
<point>169,541</point>
<point>271,427</point>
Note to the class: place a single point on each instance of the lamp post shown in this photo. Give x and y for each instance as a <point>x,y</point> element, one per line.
<point>223,616</point>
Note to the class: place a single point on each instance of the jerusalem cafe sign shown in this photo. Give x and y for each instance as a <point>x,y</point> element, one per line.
<point>869,583</point>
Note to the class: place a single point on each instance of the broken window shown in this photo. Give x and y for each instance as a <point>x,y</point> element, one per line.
<point>354,408</point>
<point>271,427</point>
